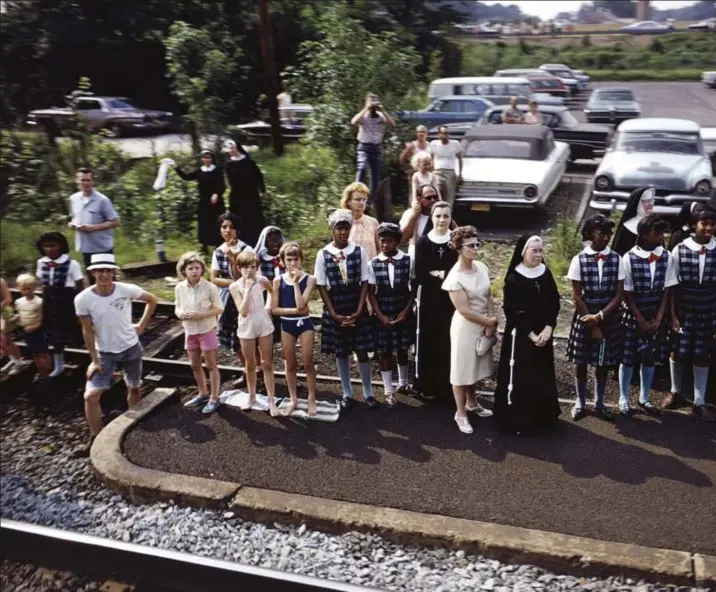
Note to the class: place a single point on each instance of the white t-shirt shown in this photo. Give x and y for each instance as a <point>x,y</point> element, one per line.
<point>30,311</point>
<point>74,274</point>
<point>320,268</point>
<point>670,279</point>
<point>111,316</point>
<point>445,155</point>
<point>575,270</point>
<point>419,228</point>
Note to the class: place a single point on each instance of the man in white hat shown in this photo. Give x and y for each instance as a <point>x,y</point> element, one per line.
<point>105,312</point>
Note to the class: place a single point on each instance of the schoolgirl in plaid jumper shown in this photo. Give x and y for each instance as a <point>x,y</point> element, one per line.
<point>342,276</point>
<point>61,279</point>
<point>648,274</point>
<point>391,301</point>
<point>595,339</point>
<point>267,248</point>
<point>693,309</point>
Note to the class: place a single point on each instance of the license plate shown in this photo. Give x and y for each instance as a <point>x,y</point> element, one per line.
<point>480,207</point>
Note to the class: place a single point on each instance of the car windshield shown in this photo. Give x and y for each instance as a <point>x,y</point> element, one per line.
<point>615,95</point>
<point>545,83</point>
<point>119,104</point>
<point>498,148</point>
<point>568,120</point>
<point>678,143</point>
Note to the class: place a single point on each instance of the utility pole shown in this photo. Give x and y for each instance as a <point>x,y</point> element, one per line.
<point>270,76</point>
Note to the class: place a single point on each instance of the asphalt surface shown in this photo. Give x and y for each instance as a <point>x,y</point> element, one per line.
<point>646,480</point>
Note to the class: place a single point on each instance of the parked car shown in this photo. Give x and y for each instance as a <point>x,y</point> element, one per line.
<point>586,140</point>
<point>612,104</point>
<point>666,153</point>
<point>646,28</point>
<point>708,137</point>
<point>486,31</point>
<point>709,79</point>
<point>510,165</point>
<point>708,24</point>
<point>117,115</point>
<point>565,75</point>
<point>449,109</point>
<point>547,84</point>
<point>293,125</point>
<point>494,89</point>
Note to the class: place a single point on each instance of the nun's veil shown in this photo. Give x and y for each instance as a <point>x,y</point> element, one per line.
<point>624,239</point>
<point>682,225</point>
<point>517,253</point>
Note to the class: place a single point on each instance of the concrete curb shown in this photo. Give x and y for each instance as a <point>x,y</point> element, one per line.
<point>142,485</point>
<point>553,551</point>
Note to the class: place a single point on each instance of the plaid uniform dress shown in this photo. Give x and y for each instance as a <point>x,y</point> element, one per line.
<point>581,348</point>
<point>392,301</point>
<point>268,270</point>
<point>647,349</point>
<point>229,319</point>
<point>58,309</point>
<point>335,339</point>
<point>697,304</point>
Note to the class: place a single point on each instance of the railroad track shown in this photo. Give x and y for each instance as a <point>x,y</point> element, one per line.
<point>147,568</point>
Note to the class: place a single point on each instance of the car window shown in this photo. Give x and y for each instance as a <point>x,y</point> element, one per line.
<point>87,104</point>
<point>567,119</point>
<point>498,148</point>
<point>674,142</point>
<point>451,107</point>
<point>615,95</point>
<point>495,117</point>
<point>117,104</point>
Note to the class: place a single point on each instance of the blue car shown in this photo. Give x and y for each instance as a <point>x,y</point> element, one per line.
<point>448,109</point>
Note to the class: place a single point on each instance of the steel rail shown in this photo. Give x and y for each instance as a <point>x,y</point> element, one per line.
<point>170,571</point>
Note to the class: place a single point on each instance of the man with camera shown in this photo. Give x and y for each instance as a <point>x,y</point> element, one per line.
<point>371,122</point>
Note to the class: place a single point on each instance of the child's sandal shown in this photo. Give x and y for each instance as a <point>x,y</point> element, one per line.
<point>390,401</point>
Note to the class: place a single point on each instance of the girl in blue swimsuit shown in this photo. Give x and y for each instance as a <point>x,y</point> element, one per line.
<point>289,302</point>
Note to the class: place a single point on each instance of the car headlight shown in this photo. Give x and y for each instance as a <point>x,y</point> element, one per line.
<point>587,111</point>
<point>703,188</point>
<point>530,192</point>
<point>602,182</point>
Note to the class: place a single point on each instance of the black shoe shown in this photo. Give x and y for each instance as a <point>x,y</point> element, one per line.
<point>625,412</point>
<point>604,413</point>
<point>649,408</point>
<point>578,413</point>
<point>347,403</point>
<point>371,402</point>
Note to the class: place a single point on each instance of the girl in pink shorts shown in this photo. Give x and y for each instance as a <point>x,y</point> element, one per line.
<point>197,306</point>
<point>255,325</point>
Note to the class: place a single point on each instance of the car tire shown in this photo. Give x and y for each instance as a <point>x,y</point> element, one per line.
<point>115,130</point>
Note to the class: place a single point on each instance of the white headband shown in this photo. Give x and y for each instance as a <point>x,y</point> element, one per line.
<point>533,238</point>
<point>339,215</point>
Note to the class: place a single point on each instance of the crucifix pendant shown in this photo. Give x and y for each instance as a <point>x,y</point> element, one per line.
<point>440,252</point>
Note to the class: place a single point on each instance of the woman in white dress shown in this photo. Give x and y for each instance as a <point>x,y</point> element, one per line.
<point>473,325</point>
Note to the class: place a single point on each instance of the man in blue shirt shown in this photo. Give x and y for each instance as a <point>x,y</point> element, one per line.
<point>93,218</point>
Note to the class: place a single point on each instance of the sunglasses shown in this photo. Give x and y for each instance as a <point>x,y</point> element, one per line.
<point>474,245</point>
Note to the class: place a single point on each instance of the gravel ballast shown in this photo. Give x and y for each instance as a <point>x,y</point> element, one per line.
<point>40,482</point>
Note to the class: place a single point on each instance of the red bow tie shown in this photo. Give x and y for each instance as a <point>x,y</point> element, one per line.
<point>276,262</point>
<point>52,265</point>
<point>390,261</point>
<point>600,257</point>
<point>339,258</point>
<point>702,251</point>
<point>653,257</point>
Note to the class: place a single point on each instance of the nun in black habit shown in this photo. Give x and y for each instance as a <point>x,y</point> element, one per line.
<point>526,395</point>
<point>211,198</point>
<point>682,225</point>
<point>640,205</point>
<point>247,187</point>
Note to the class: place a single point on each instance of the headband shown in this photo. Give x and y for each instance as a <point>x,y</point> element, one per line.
<point>533,238</point>
<point>338,216</point>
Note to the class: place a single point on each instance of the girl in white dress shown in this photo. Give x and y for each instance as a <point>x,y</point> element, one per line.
<point>469,286</point>
<point>255,324</point>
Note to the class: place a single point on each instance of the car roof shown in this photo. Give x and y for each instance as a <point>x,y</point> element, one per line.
<point>659,124</point>
<point>542,108</point>
<point>513,70</point>
<point>509,132</point>
<point>481,80</point>
<point>556,66</point>
<point>296,107</point>
<point>461,98</point>
<point>105,98</point>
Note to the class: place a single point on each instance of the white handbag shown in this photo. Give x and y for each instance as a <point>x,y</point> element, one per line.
<point>485,344</point>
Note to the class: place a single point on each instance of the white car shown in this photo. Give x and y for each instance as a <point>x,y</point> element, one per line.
<point>709,79</point>
<point>667,154</point>
<point>510,166</point>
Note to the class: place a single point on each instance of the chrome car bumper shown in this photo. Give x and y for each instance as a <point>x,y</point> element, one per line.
<point>667,205</point>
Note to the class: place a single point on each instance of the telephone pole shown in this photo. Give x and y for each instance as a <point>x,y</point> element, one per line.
<point>270,76</point>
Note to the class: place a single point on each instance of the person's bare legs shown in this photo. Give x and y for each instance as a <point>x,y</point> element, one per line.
<point>460,394</point>
<point>266,346</point>
<point>288,342</point>
<point>248,347</point>
<point>133,396</point>
<point>196,368</point>
<point>93,411</point>
<point>309,368</point>
<point>214,376</point>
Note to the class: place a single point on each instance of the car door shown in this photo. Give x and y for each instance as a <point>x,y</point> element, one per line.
<point>473,109</point>
<point>556,165</point>
<point>446,112</point>
<point>91,112</point>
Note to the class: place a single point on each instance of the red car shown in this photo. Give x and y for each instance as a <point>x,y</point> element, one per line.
<point>550,85</point>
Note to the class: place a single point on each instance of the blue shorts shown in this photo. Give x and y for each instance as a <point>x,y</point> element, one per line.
<point>130,360</point>
<point>296,325</point>
<point>36,341</point>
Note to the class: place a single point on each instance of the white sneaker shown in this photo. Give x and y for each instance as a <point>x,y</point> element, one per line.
<point>19,367</point>
<point>463,424</point>
<point>479,410</point>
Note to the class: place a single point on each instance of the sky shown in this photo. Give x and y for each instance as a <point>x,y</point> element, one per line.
<point>546,9</point>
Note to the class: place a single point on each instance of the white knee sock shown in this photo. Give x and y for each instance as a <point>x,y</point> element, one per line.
<point>677,375</point>
<point>59,360</point>
<point>701,379</point>
<point>387,381</point>
<point>402,374</point>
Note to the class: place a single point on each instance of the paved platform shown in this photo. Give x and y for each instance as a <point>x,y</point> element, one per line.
<point>647,481</point>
